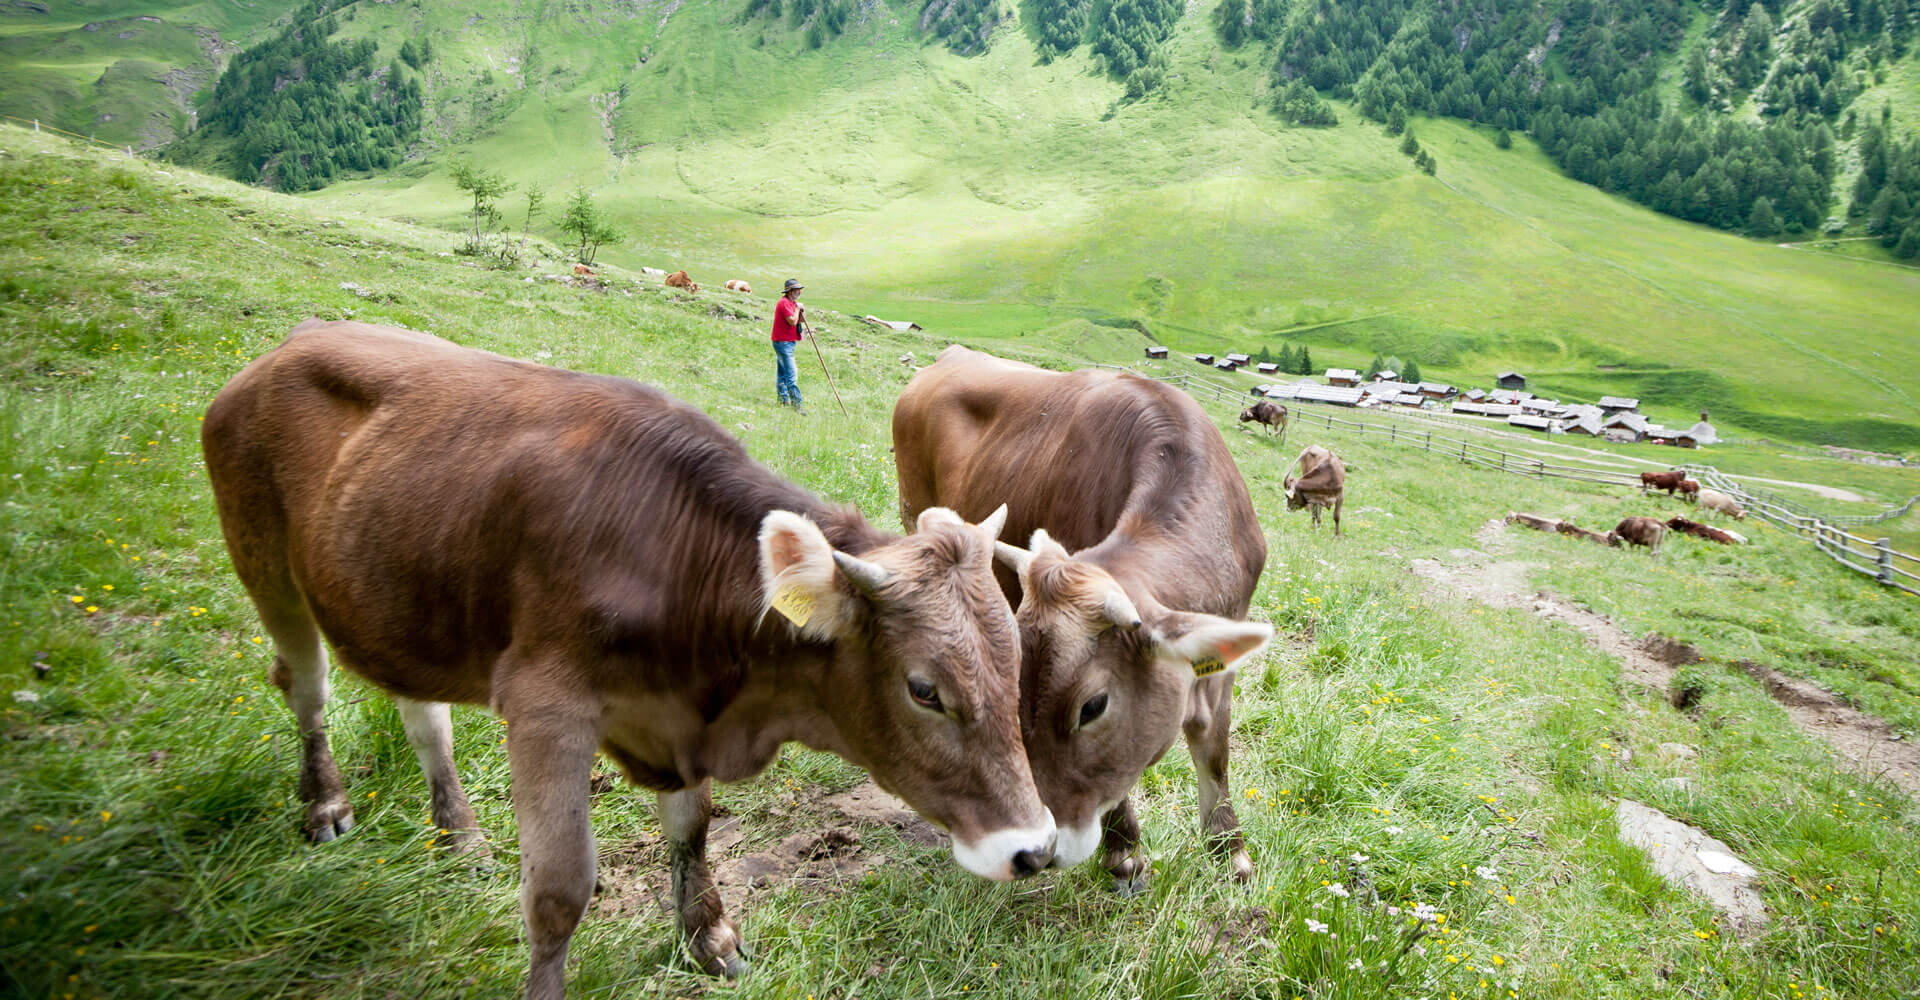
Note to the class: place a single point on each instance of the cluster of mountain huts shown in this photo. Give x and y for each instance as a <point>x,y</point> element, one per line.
<point>1613,418</point>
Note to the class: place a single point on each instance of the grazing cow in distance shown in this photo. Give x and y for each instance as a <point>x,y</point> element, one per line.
<point>1322,483</point>
<point>653,272</point>
<point>1698,530</point>
<point>1644,531</point>
<point>736,285</point>
<point>1273,415</point>
<point>1534,521</point>
<point>1598,538</point>
<point>597,562</point>
<point>1668,481</point>
<point>679,279</point>
<point>1689,489</point>
<point>583,270</point>
<point>1719,502</point>
<point>1132,591</point>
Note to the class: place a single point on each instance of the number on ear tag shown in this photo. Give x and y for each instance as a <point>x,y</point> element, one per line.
<point>795,604</point>
<point>1208,666</point>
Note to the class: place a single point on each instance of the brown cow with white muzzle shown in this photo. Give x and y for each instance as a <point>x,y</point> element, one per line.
<point>1322,483</point>
<point>607,569</point>
<point>1144,556</point>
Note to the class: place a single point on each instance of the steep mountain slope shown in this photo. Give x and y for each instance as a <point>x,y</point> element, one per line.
<point>1009,193</point>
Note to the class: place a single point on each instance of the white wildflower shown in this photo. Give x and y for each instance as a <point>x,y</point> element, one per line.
<point>1339,890</point>
<point>1356,964</point>
<point>1486,871</point>
<point>1315,926</point>
<point>1394,831</point>
<point>1359,859</point>
<point>26,697</point>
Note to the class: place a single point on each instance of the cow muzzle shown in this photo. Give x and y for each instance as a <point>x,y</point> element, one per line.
<point>1005,855</point>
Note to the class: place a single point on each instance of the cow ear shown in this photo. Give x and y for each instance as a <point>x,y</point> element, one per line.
<point>1207,644</point>
<point>936,516</point>
<point>1044,543</point>
<point>797,576</point>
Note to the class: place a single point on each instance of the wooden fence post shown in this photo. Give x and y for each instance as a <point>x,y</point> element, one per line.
<point>1885,547</point>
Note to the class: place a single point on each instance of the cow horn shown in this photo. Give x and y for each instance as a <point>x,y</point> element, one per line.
<point>1012,557</point>
<point>867,577</point>
<point>1119,610</point>
<point>995,521</point>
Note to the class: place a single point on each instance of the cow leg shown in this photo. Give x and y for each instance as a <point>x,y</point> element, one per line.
<point>713,939</point>
<point>300,672</point>
<point>430,732</point>
<point>1206,731</point>
<point>1337,504</point>
<point>550,752</point>
<point>1120,850</point>
<point>1314,509</point>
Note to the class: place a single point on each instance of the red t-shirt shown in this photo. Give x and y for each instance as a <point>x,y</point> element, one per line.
<point>783,313</point>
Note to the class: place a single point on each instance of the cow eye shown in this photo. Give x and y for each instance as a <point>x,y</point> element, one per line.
<point>923,693</point>
<point>1094,708</point>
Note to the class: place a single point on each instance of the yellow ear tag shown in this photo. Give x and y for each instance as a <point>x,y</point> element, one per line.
<point>1208,666</point>
<point>795,604</point>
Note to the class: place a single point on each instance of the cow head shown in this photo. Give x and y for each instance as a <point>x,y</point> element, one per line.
<point>1247,414</point>
<point>922,688</point>
<point>1105,678</point>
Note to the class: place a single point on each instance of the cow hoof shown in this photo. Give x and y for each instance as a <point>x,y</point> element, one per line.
<point>1128,888</point>
<point>734,967</point>
<point>1242,866</point>
<point>721,952</point>
<point>327,821</point>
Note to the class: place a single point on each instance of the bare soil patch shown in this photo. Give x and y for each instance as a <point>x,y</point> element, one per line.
<point>830,855</point>
<point>1869,744</point>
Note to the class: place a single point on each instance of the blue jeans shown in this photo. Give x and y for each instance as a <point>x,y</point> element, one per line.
<point>786,379</point>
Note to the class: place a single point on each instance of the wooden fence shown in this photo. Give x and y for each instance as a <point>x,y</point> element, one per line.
<point>1875,557</point>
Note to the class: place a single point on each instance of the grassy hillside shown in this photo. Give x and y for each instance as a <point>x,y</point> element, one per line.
<point>124,71</point>
<point>997,196</point>
<point>994,195</point>
<point>1415,749</point>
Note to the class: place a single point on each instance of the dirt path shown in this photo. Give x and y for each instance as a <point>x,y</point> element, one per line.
<point>1869,744</point>
<point>829,854</point>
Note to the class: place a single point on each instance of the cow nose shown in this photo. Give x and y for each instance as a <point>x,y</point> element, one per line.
<point>1027,862</point>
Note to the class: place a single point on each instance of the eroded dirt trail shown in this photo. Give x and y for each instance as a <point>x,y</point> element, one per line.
<point>1869,744</point>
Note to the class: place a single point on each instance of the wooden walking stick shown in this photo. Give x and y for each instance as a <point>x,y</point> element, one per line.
<point>807,332</point>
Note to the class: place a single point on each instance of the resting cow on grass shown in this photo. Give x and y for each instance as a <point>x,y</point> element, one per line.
<point>1322,483</point>
<point>1698,530</point>
<point>1144,555</point>
<point>604,567</point>
<point>1598,538</point>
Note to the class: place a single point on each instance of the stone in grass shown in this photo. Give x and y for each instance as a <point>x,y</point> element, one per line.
<point>1689,858</point>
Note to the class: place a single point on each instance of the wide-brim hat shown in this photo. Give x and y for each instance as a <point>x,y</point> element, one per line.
<point>793,285</point>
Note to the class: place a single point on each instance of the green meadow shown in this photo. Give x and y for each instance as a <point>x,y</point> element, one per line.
<point>1396,748</point>
<point>995,196</point>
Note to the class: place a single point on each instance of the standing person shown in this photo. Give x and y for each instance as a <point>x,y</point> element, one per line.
<point>789,317</point>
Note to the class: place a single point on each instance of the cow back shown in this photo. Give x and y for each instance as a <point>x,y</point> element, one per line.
<point>1128,473</point>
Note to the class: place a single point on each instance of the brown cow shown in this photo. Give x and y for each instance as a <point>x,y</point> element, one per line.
<point>1708,532</point>
<point>1322,483</point>
<point>736,285</point>
<point>679,279</point>
<point>1668,481</point>
<point>1598,538</point>
<point>1131,637</point>
<point>1646,531</point>
<point>1689,489</point>
<point>583,270</point>
<point>596,561</point>
<point>1534,521</point>
<point>1271,414</point>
